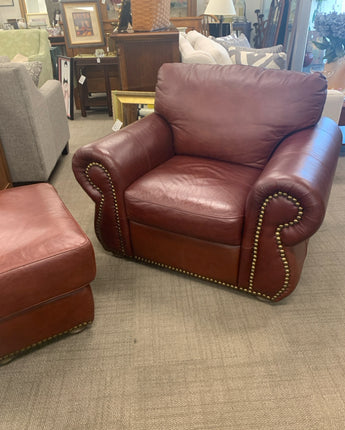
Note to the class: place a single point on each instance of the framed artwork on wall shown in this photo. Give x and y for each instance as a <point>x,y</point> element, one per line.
<point>82,23</point>
<point>179,8</point>
<point>65,65</point>
<point>38,20</point>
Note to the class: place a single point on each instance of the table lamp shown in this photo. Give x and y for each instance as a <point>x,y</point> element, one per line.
<point>220,8</point>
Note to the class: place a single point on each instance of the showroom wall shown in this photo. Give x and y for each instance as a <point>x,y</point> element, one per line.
<point>9,12</point>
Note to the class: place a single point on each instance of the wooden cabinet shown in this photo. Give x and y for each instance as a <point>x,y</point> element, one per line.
<point>5,179</point>
<point>141,55</point>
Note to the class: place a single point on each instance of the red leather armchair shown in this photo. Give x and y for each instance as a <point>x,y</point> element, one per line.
<point>226,181</point>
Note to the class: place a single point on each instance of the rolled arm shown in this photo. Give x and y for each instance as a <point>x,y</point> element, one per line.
<point>286,206</point>
<point>108,166</point>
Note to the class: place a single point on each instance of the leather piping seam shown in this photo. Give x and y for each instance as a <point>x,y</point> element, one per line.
<point>278,240</point>
<point>9,357</point>
<point>101,205</point>
<point>44,302</point>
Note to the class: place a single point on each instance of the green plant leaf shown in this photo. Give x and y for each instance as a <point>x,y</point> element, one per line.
<point>321,45</point>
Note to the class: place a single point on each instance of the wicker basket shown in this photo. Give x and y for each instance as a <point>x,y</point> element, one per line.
<point>150,15</point>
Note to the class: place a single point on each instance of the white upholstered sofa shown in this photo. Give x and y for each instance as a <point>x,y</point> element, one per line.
<point>197,48</point>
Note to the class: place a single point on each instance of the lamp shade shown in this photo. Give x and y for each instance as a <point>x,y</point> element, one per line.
<point>220,7</point>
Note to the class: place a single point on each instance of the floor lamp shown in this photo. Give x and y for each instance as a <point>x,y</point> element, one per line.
<point>220,8</point>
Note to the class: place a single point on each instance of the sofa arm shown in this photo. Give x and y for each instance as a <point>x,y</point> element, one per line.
<point>108,166</point>
<point>52,93</point>
<point>286,206</point>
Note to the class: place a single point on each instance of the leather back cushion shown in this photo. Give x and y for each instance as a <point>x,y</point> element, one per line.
<point>236,113</point>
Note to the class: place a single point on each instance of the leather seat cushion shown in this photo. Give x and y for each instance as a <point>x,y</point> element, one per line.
<point>44,253</point>
<point>194,196</point>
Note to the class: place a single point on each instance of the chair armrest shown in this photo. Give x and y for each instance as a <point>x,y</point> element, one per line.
<point>52,93</point>
<point>286,206</point>
<point>302,167</point>
<point>108,166</point>
<point>333,105</point>
<point>37,57</point>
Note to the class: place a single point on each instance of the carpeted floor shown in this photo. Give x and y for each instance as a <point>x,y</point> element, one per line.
<point>168,352</point>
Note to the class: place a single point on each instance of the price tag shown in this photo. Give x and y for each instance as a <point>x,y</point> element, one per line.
<point>117,125</point>
<point>82,79</point>
<point>98,60</point>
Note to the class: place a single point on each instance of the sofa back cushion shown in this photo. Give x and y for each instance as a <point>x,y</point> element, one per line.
<point>202,43</point>
<point>25,42</point>
<point>236,113</point>
<point>191,55</point>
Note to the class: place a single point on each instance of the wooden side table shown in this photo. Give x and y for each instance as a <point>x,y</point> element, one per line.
<point>141,54</point>
<point>5,177</point>
<point>101,77</point>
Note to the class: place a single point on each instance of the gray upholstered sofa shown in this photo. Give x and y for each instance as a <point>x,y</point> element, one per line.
<point>33,124</point>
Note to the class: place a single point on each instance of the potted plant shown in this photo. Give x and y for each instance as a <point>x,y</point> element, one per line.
<point>331,27</point>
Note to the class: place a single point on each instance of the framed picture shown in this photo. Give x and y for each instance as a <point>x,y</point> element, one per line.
<point>82,23</point>
<point>38,20</point>
<point>6,3</point>
<point>123,100</point>
<point>65,65</point>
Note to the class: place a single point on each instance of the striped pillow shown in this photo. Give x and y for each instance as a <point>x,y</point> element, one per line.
<point>270,50</point>
<point>266,60</point>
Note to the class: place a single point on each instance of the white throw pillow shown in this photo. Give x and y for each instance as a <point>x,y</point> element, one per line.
<point>270,50</point>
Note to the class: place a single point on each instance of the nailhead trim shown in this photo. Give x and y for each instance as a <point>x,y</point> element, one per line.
<point>195,275</point>
<point>9,357</point>
<point>116,208</point>
<point>250,289</point>
<point>278,240</point>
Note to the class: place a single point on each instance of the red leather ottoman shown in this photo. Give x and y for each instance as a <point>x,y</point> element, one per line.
<point>46,265</point>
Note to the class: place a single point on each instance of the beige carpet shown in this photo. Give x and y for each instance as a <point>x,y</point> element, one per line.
<point>168,352</point>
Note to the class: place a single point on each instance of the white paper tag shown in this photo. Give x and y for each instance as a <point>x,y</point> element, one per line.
<point>82,79</point>
<point>98,60</point>
<point>117,125</point>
